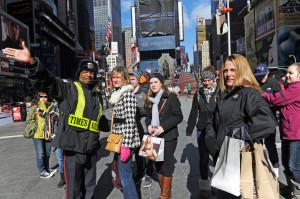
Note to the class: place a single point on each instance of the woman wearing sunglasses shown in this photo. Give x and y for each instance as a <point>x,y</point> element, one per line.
<point>42,146</point>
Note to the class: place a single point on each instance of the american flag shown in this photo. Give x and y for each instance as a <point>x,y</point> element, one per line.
<point>109,34</point>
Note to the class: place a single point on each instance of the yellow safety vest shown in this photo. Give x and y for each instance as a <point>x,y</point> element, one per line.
<point>77,119</point>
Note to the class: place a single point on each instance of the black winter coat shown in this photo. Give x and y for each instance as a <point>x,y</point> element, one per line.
<point>170,116</point>
<point>201,110</point>
<point>243,106</point>
<point>65,92</point>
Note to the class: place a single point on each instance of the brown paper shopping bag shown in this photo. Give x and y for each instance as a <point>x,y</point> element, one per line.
<point>247,181</point>
<point>266,180</point>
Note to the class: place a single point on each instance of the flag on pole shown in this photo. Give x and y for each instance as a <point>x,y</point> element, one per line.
<point>109,33</point>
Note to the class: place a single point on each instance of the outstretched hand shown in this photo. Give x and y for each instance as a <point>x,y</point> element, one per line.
<point>21,55</point>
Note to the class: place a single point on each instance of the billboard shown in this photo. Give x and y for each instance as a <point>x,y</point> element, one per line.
<point>152,64</point>
<point>250,39</point>
<point>180,19</point>
<point>157,17</point>
<point>12,33</point>
<point>156,43</point>
<point>264,18</point>
<point>288,12</point>
<point>264,47</point>
<point>288,44</point>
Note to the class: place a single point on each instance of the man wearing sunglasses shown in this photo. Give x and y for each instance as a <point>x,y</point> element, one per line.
<point>79,115</point>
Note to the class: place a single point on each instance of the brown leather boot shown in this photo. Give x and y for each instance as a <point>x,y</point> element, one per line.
<point>160,180</point>
<point>166,188</point>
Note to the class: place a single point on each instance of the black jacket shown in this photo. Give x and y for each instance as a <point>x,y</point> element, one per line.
<point>170,116</point>
<point>65,92</point>
<point>140,112</point>
<point>243,106</point>
<point>201,110</point>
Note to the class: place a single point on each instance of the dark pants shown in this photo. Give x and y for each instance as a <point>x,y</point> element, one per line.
<point>271,147</point>
<point>166,168</point>
<point>203,155</point>
<point>80,174</point>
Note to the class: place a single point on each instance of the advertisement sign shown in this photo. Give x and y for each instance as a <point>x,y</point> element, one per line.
<point>288,12</point>
<point>114,47</point>
<point>152,64</point>
<point>264,18</point>
<point>180,19</point>
<point>157,17</point>
<point>4,64</point>
<point>240,45</point>
<point>182,55</point>
<point>288,44</point>
<point>250,39</point>
<point>263,48</point>
<point>156,43</point>
<point>12,32</point>
<point>222,26</point>
<point>135,56</point>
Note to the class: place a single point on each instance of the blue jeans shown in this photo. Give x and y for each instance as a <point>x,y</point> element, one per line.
<point>203,155</point>
<point>60,159</point>
<point>290,150</point>
<point>43,151</point>
<point>128,185</point>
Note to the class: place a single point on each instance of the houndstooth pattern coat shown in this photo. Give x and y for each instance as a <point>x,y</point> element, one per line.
<point>125,103</point>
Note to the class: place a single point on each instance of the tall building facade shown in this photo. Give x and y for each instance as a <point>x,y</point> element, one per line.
<point>127,35</point>
<point>202,41</point>
<point>103,9</point>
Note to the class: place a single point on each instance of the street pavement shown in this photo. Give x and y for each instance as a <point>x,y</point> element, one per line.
<point>19,175</point>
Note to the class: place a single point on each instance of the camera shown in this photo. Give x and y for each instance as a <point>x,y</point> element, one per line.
<point>40,111</point>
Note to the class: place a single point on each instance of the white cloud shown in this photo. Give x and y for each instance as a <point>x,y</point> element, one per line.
<point>126,5</point>
<point>197,9</point>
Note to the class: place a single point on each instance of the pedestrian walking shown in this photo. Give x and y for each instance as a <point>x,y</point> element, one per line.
<point>80,112</point>
<point>144,166</point>
<point>203,106</point>
<point>288,101</point>
<point>177,76</point>
<point>189,88</point>
<point>50,131</point>
<point>42,145</point>
<point>124,107</point>
<point>240,98</point>
<point>163,114</point>
<point>269,85</point>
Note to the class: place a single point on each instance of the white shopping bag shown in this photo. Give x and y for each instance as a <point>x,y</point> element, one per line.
<point>152,148</point>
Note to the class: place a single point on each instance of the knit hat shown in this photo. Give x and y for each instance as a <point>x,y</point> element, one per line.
<point>158,76</point>
<point>143,79</point>
<point>260,70</point>
<point>87,65</point>
<point>136,74</point>
<point>208,75</point>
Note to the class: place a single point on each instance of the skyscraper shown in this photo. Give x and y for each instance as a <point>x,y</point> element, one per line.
<point>103,9</point>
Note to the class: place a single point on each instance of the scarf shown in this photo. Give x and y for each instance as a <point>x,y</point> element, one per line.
<point>208,92</point>
<point>117,94</point>
<point>155,114</point>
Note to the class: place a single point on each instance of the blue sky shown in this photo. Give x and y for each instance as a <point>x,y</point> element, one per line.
<point>191,9</point>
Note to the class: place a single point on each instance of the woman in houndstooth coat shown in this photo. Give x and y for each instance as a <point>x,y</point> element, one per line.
<point>124,107</point>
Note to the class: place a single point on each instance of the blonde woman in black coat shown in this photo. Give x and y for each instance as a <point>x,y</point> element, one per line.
<point>163,114</point>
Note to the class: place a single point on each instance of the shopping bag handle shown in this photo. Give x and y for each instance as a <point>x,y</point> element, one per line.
<point>243,133</point>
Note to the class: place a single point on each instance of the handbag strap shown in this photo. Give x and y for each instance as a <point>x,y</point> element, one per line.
<point>160,110</point>
<point>112,120</point>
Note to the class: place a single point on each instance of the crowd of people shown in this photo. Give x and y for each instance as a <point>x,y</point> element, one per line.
<point>250,99</point>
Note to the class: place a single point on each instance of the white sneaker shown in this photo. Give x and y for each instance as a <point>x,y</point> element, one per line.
<point>52,171</point>
<point>46,175</point>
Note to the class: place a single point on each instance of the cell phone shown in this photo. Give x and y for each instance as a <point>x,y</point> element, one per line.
<point>40,111</point>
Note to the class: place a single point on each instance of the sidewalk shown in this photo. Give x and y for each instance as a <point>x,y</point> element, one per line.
<point>19,177</point>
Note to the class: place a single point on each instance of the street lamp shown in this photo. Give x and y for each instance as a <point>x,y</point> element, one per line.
<point>229,39</point>
<point>294,58</point>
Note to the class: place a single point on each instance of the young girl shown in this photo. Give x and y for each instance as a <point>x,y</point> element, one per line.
<point>163,114</point>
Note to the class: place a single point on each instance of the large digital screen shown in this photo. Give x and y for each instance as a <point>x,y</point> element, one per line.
<point>156,43</point>
<point>157,17</point>
<point>12,33</point>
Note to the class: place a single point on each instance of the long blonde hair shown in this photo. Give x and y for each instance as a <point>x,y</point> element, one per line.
<point>243,73</point>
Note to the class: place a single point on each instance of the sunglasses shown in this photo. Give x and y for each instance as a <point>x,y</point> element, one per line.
<point>43,96</point>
